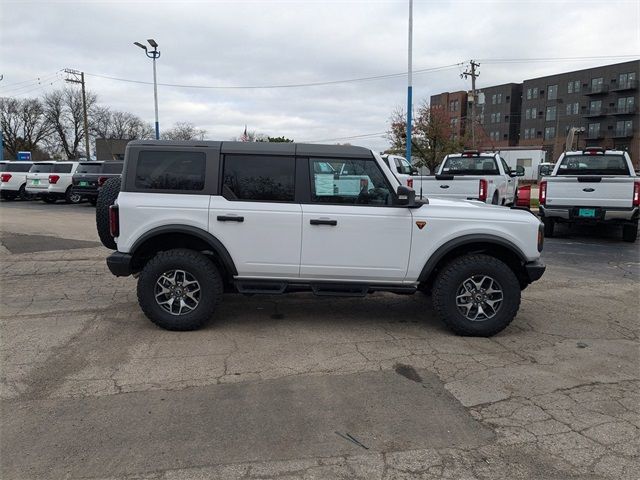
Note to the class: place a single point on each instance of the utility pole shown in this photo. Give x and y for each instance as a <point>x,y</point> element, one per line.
<point>78,77</point>
<point>410,82</point>
<point>473,74</point>
<point>1,133</point>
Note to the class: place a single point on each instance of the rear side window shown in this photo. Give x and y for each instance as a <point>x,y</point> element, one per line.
<point>170,170</point>
<point>89,168</point>
<point>16,167</point>
<point>259,178</point>
<point>112,167</point>
<point>62,168</point>
<point>41,168</point>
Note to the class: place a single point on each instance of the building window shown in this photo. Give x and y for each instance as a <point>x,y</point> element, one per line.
<point>626,80</point>
<point>551,113</point>
<point>532,93</point>
<point>573,86</point>
<point>528,94</point>
<point>527,114</point>
<point>595,107</point>
<point>549,133</point>
<point>569,109</point>
<point>552,92</point>
<point>625,104</point>
<point>624,128</point>
<point>498,117</point>
<point>596,84</point>
<point>594,130</point>
<point>499,98</point>
<point>481,117</point>
<point>576,108</point>
<point>453,105</point>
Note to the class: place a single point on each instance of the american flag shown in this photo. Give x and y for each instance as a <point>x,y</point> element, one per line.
<point>244,137</point>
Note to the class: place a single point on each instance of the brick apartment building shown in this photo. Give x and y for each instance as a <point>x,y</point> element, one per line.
<point>455,104</point>
<point>603,102</point>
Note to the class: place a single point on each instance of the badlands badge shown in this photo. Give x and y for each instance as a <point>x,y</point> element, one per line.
<point>420,224</point>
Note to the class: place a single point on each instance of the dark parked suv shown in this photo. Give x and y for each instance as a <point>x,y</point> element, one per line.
<point>92,175</point>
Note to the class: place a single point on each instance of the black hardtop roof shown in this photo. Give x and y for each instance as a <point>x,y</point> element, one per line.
<point>275,148</point>
<point>92,162</point>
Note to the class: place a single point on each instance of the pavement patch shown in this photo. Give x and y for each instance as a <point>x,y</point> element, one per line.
<point>22,243</point>
<point>286,418</point>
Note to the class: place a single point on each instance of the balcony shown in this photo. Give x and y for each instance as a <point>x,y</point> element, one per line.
<point>597,89</point>
<point>595,112</point>
<point>626,110</point>
<point>628,85</point>
<point>594,136</point>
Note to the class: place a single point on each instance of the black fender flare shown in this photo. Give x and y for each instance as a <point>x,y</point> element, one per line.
<point>216,245</point>
<point>447,247</point>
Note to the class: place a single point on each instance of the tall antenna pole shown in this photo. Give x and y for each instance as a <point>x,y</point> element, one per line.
<point>473,74</point>
<point>410,82</point>
<point>78,77</point>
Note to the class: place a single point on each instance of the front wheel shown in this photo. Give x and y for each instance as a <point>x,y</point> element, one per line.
<point>179,289</point>
<point>476,295</point>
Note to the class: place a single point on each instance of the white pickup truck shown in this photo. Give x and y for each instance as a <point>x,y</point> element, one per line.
<point>471,175</point>
<point>401,168</point>
<point>593,186</point>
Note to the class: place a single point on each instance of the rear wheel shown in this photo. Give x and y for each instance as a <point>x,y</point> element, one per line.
<point>49,199</point>
<point>495,200</point>
<point>549,225</point>
<point>71,197</point>
<point>22,194</point>
<point>106,197</point>
<point>630,232</point>
<point>476,295</point>
<point>179,289</point>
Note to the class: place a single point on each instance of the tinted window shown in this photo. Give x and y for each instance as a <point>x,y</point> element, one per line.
<point>470,166</point>
<point>170,170</point>
<point>593,165</point>
<point>62,168</point>
<point>115,167</point>
<point>355,182</point>
<point>17,167</point>
<point>259,178</point>
<point>41,168</point>
<point>89,168</point>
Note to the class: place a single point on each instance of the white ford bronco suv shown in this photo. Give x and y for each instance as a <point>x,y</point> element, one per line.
<point>193,220</point>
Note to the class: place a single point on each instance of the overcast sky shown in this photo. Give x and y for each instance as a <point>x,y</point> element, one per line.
<point>256,43</point>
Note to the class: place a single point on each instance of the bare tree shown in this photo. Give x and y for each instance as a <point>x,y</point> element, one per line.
<point>184,131</point>
<point>63,110</point>
<point>23,124</point>
<point>119,125</point>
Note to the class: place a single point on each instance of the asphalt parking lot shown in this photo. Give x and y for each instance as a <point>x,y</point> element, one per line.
<point>306,387</point>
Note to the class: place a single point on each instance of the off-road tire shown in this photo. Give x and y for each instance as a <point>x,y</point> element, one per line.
<point>48,199</point>
<point>549,225</point>
<point>195,263</point>
<point>457,271</point>
<point>630,232</point>
<point>106,197</point>
<point>70,197</point>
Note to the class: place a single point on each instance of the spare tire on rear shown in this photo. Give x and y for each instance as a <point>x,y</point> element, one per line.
<point>106,197</point>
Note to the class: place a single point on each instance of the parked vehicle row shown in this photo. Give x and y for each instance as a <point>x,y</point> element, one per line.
<point>51,181</point>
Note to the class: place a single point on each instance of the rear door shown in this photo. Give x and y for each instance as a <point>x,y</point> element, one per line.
<point>350,228</point>
<point>256,216</point>
<point>38,176</point>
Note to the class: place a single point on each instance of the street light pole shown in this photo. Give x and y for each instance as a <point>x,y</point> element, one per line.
<point>153,55</point>
<point>409,82</point>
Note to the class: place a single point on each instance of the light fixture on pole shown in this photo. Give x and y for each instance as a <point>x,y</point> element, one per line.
<point>154,55</point>
<point>409,82</point>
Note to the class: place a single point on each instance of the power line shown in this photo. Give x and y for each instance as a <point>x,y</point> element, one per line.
<point>28,87</point>
<point>352,137</point>
<point>33,80</point>
<point>292,85</point>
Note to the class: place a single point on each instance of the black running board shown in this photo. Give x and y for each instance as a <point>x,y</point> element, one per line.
<point>333,289</point>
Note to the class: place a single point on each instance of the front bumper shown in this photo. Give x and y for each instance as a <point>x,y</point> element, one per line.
<point>120,264</point>
<point>603,214</point>
<point>534,270</point>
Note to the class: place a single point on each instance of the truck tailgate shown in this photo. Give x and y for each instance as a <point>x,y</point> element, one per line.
<point>589,192</point>
<point>461,187</point>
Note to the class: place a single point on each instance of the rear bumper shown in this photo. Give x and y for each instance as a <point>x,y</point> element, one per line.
<point>603,214</point>
<point>88,192</point>
<point>534,270</point>
<point>119,264</point>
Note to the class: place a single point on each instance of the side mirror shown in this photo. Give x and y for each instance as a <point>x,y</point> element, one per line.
<point>519,171</point>
<point>406,196</point>
<point>414,171</point>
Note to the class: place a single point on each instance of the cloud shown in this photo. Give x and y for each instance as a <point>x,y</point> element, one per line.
<point>282,42</point>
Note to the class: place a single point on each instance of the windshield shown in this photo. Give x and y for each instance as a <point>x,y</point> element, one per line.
<point>89,168</point>
<point>16,167</point>
<point>41,168</point>
<point>470,166</point>
<point>62,168</point>
<point>593,165</point>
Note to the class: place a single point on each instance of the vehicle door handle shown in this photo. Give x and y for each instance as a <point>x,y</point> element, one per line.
<point>588,190</point>
<point>444,186</point>
<point>319,221</point>
<point>230,218</point>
